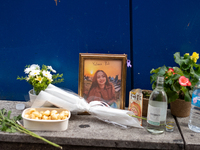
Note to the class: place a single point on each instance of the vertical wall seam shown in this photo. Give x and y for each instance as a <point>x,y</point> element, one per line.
<point>131,40</point>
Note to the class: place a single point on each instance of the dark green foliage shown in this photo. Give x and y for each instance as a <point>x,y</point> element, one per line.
<point>187,67</point>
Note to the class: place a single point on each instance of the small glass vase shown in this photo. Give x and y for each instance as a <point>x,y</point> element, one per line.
<point>32,97</point>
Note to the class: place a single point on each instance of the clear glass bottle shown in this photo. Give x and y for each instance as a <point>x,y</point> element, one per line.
<point>194,119</point>
<point>157,108</point>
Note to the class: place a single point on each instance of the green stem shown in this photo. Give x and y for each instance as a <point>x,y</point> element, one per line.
<point>39,137</point>
<point>18,127</point>
<point>143,118</point>
<point>1,115</point>
<point>138,117</point>
<point>24,130</point>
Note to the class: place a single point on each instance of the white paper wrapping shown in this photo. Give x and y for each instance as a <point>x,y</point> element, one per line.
<point>76,104</point>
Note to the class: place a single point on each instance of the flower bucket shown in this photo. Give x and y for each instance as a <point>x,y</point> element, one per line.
<point>180,108</point>
<point>145,103</point>
<point>32,97</point>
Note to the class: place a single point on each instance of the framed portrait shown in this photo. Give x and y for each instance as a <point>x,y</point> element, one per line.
<point>102,77</point>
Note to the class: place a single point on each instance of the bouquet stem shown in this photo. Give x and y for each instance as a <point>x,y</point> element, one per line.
<point>11,125</point>
<point>138,117</point>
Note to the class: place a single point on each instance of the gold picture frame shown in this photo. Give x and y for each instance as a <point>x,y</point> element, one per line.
<point>102,77</point>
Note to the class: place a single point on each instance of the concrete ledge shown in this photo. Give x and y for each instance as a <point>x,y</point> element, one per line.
<point>25,146</point>
<point>86,131</point>
<point>191,138</point>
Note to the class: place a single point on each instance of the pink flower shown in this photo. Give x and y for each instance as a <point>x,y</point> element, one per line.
<point>170,70</point>
<point>194,100</point>
<point>189,83</point>
<point>184,81</point>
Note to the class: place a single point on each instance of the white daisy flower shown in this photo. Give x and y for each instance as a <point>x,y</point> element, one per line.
<point>34,67</point>
<point>35,72</point>
<point>27,70</point>
<point>47,74</point>
<point>49,67</point>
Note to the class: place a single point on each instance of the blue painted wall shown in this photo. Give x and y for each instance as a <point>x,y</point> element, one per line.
<point>161,28</point>
<point>40,32</point>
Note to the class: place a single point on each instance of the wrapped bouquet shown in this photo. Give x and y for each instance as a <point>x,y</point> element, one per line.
<point>76,104</point>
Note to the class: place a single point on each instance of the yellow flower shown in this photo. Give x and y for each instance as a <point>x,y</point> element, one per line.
<point>28,78</point>
<point>39,78</point>
<point>50,79</point>
<point>194,56</point>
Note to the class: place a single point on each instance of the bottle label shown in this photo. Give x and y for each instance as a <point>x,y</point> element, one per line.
<point>196,98</point>
<point>153,117</point>
<point>135,103</point>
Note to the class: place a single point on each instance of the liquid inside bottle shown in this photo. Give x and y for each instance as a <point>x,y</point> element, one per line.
<point>194,119</point>
<point>157,109</point>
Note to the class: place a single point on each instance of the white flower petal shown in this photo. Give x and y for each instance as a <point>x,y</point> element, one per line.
<point>50,68</point>
<point>47,74</point>
<point>34,67</point>
<point>35,72</point>
<point>27,70</point>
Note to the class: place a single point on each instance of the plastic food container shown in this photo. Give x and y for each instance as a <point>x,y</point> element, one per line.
<point>46,125</point>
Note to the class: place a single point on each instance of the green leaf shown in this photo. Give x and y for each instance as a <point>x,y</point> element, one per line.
<point>175,77</point>
<point>196,65</point>
<point>3,111</point>
<point>155,70</point>
<point>185,65</point>
<point>177,58</point>
<point>8,130</point>
<point>4,127</point>
<point>178,71</point>
<point>154,85</point>
<point>194,81</point>
<point>8,115</point>
<point>186,56</point>
<point>162,70</point>
<point>153,78</point>
<point>168,81</point>
<point>176,86</point>
<point>197,72</point>
<point>172,95</point>
<point>184,62</point>
<point>187,96</point>
<point>19,117</point>
<point>13,130</point>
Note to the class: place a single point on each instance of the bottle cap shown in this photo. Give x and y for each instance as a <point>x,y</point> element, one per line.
<point>170,126</point>
<point>20,106</point>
